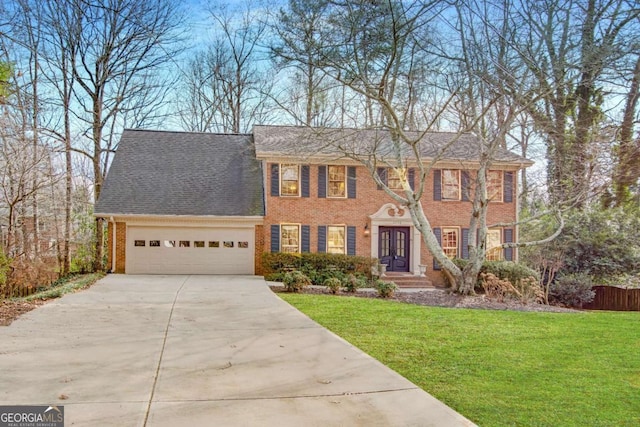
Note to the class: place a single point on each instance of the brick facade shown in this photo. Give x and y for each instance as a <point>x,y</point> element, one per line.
<point>315,211</point>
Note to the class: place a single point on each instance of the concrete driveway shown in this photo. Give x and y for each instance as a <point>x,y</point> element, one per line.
<point>199,351</point>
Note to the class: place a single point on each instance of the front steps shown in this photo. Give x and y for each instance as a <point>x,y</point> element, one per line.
<point>407,280</point>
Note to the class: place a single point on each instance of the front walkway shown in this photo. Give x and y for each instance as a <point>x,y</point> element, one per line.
<point>199,351</point>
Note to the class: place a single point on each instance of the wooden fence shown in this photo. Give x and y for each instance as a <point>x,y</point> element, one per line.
<point>616,299</point>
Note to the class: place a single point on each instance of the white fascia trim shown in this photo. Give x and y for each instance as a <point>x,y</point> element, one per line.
<point>184,219</point>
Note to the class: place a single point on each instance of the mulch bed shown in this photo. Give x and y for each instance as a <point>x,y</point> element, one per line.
<point>443,298</point>
<point>11,310</point>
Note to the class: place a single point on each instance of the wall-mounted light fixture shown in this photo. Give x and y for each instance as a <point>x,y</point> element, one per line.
<point>367,232</point>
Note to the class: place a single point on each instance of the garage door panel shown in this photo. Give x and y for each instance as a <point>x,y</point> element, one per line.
<point>173,250</point>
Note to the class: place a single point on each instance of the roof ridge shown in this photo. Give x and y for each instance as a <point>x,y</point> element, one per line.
<point>188,132</point>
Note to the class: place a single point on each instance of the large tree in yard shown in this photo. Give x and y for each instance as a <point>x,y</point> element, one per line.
<point>372,48</point>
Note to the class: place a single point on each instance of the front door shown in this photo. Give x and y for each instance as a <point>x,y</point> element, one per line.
<point>393,248</point>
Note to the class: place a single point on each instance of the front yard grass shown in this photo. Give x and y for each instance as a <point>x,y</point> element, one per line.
<point>500,368</point>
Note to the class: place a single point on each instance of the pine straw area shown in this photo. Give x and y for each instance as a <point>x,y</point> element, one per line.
<point>10,310</point>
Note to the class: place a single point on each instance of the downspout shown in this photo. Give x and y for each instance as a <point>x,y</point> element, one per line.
<point>113,245</point>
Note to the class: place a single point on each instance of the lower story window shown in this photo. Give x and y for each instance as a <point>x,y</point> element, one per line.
<point>494,245</point>
<point>290,238</point>
<point>335,239</point>
<point>450,242</point>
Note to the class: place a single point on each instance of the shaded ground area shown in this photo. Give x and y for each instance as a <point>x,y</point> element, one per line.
<point>440,298</point>
<point>10,310</point>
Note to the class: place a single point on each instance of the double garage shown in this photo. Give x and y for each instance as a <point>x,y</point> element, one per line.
<point>185,248</point>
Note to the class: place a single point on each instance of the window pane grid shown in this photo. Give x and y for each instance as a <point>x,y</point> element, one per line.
<point>335,240</point>
<point>494,186</point>
<point>337,181</point>
<point>494,248</point>
<point>289,180</point>
<point>290,238</point>
<point>450,242</point>
<point>450,184</point>
<point>394,181</point>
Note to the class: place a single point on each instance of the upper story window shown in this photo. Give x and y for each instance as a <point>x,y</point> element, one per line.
<point>289,180</point>
<point>494,244</point>
<point>450,242</point>
<point>337,181</point>
<point>395,176</point>
<point>494,186</point>
<point>290,238</point>
<point>450,184</point>
<point>336,239</point>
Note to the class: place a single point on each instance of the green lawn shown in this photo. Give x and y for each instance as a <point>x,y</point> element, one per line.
<point>500,368</point>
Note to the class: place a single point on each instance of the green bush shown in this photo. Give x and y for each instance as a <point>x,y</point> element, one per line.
<point>318,266</point>
<point>598,242</point>
<point>333,284</point>
<point>385,289</point>
<point>572,290</point>
<point>295,281</point>
<point>352,282</point>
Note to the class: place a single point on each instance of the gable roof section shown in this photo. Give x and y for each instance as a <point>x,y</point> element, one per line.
<point>300,141</point>
<point>182,173</point>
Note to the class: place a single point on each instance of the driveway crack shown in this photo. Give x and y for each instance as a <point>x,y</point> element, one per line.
<point>164,343</point>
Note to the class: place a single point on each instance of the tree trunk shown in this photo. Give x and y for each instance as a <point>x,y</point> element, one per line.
<point>627,171</point>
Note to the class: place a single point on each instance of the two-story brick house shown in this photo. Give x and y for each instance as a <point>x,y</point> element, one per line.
<point>319,200</point>
<point>289,189</point>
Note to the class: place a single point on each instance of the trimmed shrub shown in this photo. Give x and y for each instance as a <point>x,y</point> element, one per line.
<point>318,266</point>
<point>385,289</point>
<point>353,282</point>
<point>333,284</point>
<point>295,281</point>
<point>572,290</point>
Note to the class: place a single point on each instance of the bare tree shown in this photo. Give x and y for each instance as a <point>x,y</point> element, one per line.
<point>568,48</point>
<point>627,171</point>
<point>114,50</point>
<point>227,89</point>
<point>294,49</point>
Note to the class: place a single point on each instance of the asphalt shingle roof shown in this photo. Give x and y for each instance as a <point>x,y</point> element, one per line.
<point>308,142</point>
<point>181,173</point>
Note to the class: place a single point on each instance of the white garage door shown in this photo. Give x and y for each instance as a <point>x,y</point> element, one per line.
<point>189,250</point>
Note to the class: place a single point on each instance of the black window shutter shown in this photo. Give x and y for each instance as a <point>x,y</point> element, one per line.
<point>437,184</point>
<point>438,233</point>
<point>382,173</point>
<point>305,238</point>
<point>466,186</point>
<point>305,180</point>
<point>275,238</point>
<point>465,244</point>
<point>322,182</point>
<point>508,187</point>
<point>351,240</point>
<point>275,179</point>
<point>322,238</point>
<point>411,177</point>
<point>508,238</point>
<point>351,182</point>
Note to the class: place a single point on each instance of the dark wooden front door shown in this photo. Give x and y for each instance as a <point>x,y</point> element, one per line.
<point>393,248</point>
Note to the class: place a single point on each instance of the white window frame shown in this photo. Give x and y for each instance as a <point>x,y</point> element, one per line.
<point>282,180</point>
<point>329,195</point>
<point>495,252</point>
<point>495,194</point>
<point>283,246</point>
<point>444,231</point>
<point>444,185</point>
<point>334,249</point>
